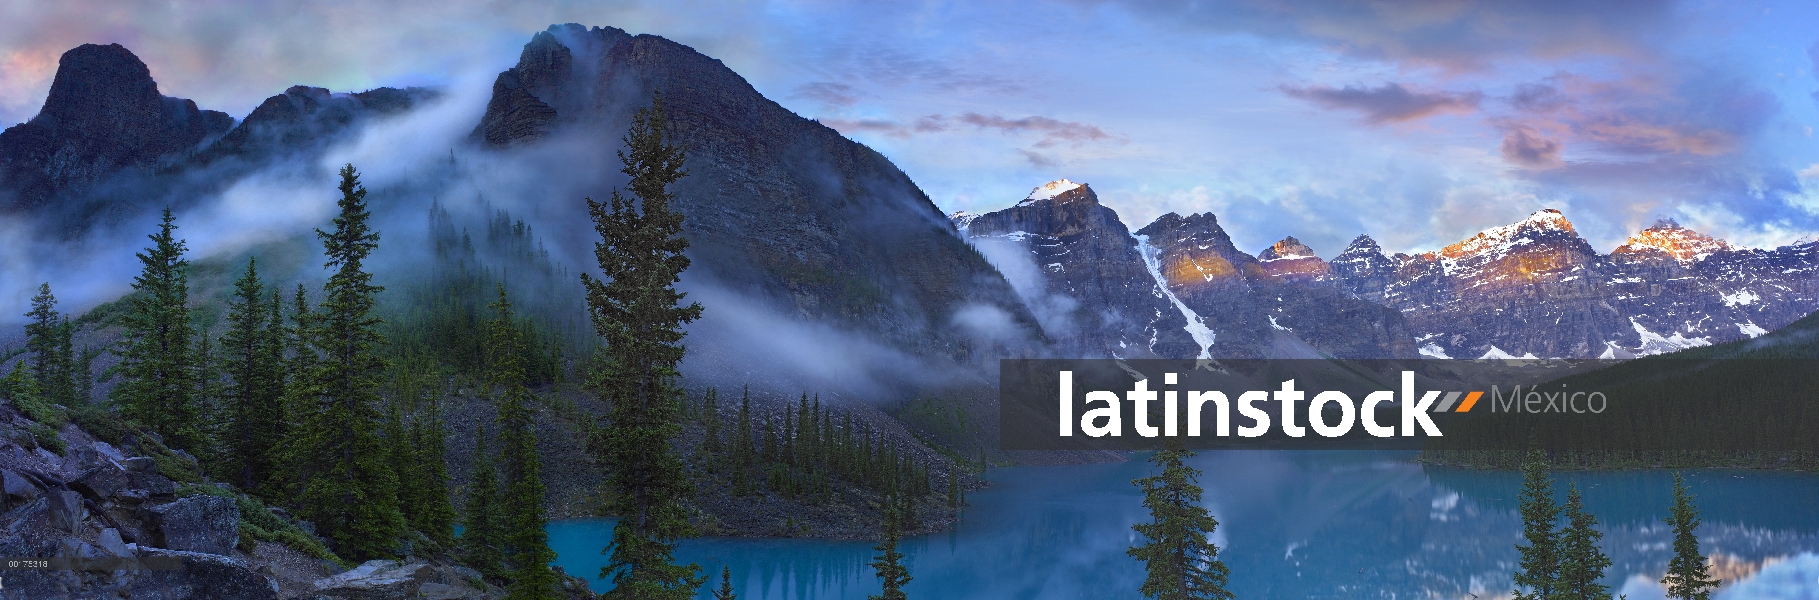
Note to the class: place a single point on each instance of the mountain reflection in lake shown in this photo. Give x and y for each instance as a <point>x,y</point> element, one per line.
<point>1292,525</point>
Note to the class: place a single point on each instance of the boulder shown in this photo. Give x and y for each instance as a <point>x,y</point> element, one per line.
<point>140,464</point>
<point>377,580</point>
<point>66,510</point>
<point>110,541</point>
<point>442,591</point>
<point>17,487</point>
<point>153,483</point>
<point>101,482</point>
<point>209,524</point>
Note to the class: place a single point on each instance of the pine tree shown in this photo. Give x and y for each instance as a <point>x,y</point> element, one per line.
<point>742,439</point>
<point>47,341</point>
<point>889,562</point>
<point>521,505</point>
<point>1180,558</point>
<point>1540,563</point>
<point>637,311</point>
<point>41,333</point>
<point>207,397</point>
<point>1687,577</point>
<point>1582,564</point>
<point>85,374</point>
<point>710,422</point>
<point>351,493</point>
<point>726,585</point>
<point>254,396</point>
<point>435,515</point>
<point>481,528</point>
<point>157,389</point>
<point>64,387</point>
<point>301,390</point>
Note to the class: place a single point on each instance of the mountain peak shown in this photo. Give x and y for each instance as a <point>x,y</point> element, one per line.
<point>101,81</point>
<point>103,114</point>
<point>1667,236</point>
<point>1051,189</point>
<point>1288,248</point>
<point>1539,225</point>
<point>1363,244</point>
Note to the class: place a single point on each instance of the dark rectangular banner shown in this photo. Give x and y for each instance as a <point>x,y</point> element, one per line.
<point>1647,405</point>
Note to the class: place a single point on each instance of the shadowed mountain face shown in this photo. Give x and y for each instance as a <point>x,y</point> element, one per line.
<point>1280,304</point>
<point>103,114</point>
<point>1178,288</point>
<point>107,144</point>
<point>778,207</point>
<point>1083,274</point>
<point>305,118</point>
<point>1535,287</point>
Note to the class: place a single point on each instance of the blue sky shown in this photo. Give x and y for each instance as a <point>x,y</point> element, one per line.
<point>1417,122</point>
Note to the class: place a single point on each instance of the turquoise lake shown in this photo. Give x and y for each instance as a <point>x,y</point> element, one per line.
<point>1292,525</point>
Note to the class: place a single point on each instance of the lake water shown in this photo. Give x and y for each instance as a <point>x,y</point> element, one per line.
<point>1292,525</point>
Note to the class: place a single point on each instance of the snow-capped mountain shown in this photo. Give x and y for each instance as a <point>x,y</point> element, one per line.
<point>1177,288</point>
<point>1533,288</point>
<point>1536,288</point>
<point>1078,269</point>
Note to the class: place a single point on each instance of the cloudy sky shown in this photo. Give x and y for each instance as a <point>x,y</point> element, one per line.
<point>1417,122</point>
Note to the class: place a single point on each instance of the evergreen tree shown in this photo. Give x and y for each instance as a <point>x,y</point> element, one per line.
<point>637,312</point>
<point>1582,564</point>
<point>710,422</point>
<point>41,333</point>
<point>481,529</point>
<point>157,388</point>
<point>1687,577</point>
<point>254,396</point>
<point>1181,561</point>
<point>64,387</point>
<point>85,374</point>
<point>889,562</point>
<point>521,505</point>
<point>726,585</point>
<point>434,514</point>
<point>207,397</point>
<point>742,439</point>
<point>350,491</point>
<point>1540,563</point>
<point>301,391</point>
<point>47,341</point>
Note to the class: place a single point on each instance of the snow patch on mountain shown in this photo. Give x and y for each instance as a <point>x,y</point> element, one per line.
<point>962,219</point>
<point>1739,298</point>
<point>1434,351</point>
<point>1497,241</point>
<point>1655,343</point>
<point>1049,190</point>
<point>1196,326</point>
<point>1685,245</point>
<point>1496,353</point>
<point>1751,329</point>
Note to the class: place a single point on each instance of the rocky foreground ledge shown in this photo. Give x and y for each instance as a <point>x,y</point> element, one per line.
<point>136,532</point>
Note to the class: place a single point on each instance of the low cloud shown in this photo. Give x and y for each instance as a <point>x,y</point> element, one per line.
<point>1456,35</point>
<point>1388,103</point>
<point>829,93</point>
<point>1523,146</point>
<point>1049,132</point>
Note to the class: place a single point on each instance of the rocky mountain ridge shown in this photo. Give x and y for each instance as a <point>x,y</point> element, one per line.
<point>779,207</point>
<point>1176,288</point>
<point>107,144</point>
<point>1533,288</point>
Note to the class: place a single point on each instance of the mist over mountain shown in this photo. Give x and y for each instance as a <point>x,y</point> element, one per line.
<point>820,262</point>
